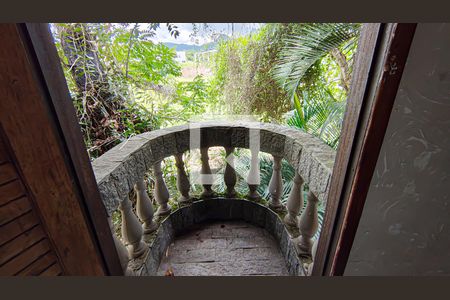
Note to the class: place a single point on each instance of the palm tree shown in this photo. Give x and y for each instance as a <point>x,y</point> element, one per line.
<point>319,114</point>
<point>316,109</point>
<point>306,46</point>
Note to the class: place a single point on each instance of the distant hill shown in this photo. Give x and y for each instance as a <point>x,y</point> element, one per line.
<point>188,47</point>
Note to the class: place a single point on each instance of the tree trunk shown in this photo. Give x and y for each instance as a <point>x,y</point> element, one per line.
<point>99,105</point>
<point>340,59</point>
<point>81,53</point>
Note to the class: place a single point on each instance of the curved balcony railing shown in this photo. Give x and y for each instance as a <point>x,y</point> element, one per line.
<point>122,169</point>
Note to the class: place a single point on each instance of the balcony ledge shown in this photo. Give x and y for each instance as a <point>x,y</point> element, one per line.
<point>121,167</point>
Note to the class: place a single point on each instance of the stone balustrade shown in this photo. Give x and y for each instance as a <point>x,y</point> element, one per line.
<point>123,168</point>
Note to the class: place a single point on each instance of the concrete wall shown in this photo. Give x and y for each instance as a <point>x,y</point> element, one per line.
<point>405,226</point>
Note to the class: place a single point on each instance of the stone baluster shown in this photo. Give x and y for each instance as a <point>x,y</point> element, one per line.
<point>253,178</point>
<point>313,256</point>
<point>230,173</point>
<point>132,231</point>
<point>206,170</point>
<point>161,192</point>
<point>308,225</point>
<point>276,184</point>
<point>121,250</point>
<point>295,201</point>
<point>183,184</point>
<point>144,207</point>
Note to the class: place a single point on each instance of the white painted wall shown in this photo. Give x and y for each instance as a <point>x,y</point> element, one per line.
<point>405,225</point>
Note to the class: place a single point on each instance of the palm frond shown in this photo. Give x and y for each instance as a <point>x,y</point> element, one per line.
<point>320,115</point>
<point>303,49</point>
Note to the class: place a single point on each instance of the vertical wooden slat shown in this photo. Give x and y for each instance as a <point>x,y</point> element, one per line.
<point>393,63</point>
<point>377,51</point>
<point>21,231</point>
<point>41,158</point>
<point>47,60</point>
<point>363,65</point>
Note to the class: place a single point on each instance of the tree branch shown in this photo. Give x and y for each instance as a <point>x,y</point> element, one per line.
<point>340,59</point>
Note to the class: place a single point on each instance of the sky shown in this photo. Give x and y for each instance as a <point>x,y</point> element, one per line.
<point>185,30</point>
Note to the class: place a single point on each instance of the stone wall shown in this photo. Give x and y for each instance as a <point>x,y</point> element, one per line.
<point>118,170</point>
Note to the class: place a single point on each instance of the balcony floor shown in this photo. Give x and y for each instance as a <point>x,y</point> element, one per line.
<point>225,248</point>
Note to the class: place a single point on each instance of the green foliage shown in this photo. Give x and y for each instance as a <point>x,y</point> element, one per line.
<point>144,61</point>
<point>107,65</point>
<point>304,48</point>
<point>314,67</point>
<point>319,113</point>
<point>123,84</point>
<point>249,70</point>
<point>190,55</point>
<point>193,95</point>
<point>138,121</point>
<point>242,82</point>
<point>177,103</point>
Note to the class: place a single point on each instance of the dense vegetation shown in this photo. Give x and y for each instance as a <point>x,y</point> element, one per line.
<point>297,74</point>
<point>123,84</point>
